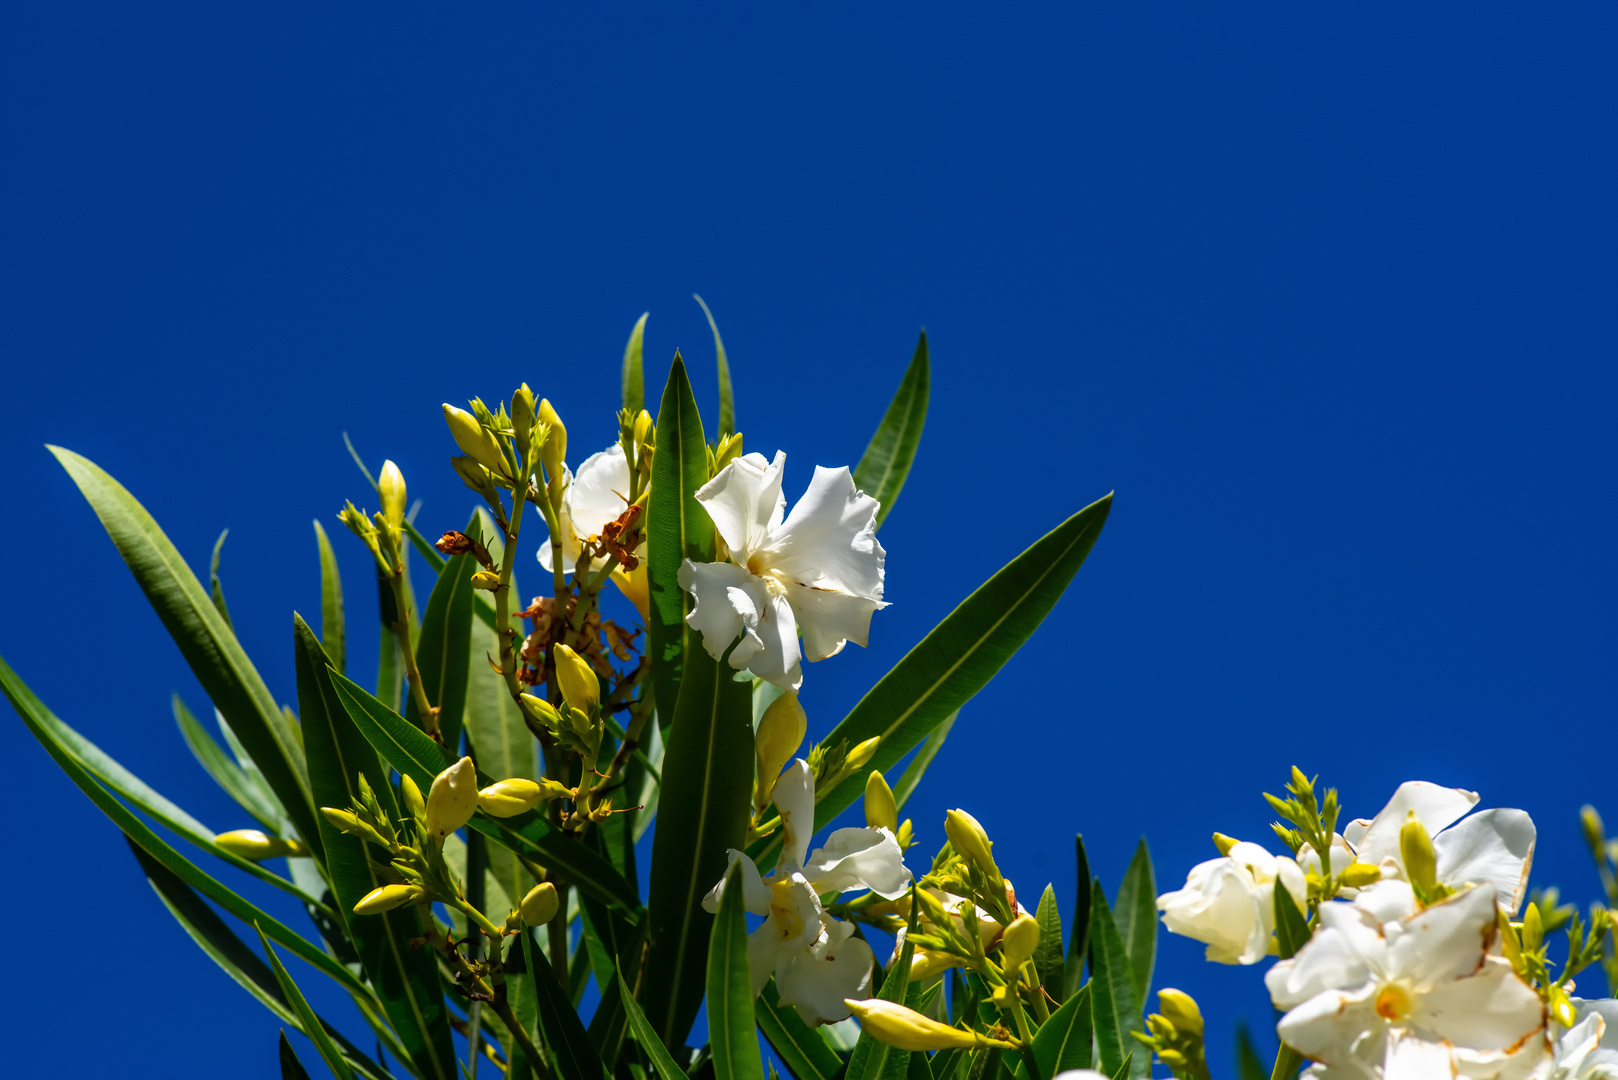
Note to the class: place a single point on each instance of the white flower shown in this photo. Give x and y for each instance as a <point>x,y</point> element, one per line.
<point>1496,846</point>
<point>598,494</point>
<point>1383,984</point>
<point>816,961</point>
<point>817,571</point>
<point>1229,903</point>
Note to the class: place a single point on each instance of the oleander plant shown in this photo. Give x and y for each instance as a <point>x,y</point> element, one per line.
<point>465,834</point>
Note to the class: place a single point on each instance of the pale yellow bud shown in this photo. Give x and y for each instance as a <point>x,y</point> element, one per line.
<point>969,840</point>
<point>474,439</point>
<point>415,805</point>
<point>862,754</point>
<point>643,427</point>
<point>925,963</point>
<point>1595,833</point>
<point>881,812</point>
<point>487,580</point>
<point>1359,875</point>
<point>554,450</point>
<point>1533,928</point>
<point>255,845</point>
<point>390,487</point>
<point>522,412</point>
<point>907,1029</point>
<point>1421,861</point>
<point>386,898</point>
<point>1018,942</point>
<point>508,798</point>
<point>540,905</point>
<point>1180,1009</point>
<point>780,732</point>
<point>542,710</point>
<point>343,819</point>
<point>453,798</point>
<point>1224,843</point>
<point>580,687</point>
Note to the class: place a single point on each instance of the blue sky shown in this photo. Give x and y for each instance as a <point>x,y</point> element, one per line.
<point>1325,295</point>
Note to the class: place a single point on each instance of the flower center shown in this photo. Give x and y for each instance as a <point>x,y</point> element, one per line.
<point>1392,1002</point>
<point>783,912</point>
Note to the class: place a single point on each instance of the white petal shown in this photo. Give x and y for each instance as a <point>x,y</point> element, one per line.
<point>727,601</point>
<point>859,859</point>
<point>1389,900</point>
<point>745,502</point>
<point>817,982</point>
<point>1446,941</point>
<point>829,539</point>
<point>829,620</point>
<point>1332,1026</point>
<point>1492,1010</point>
<point>794,799</point>
<point>599,492</point>
<point>1496,846</point>
<point>570,541</point>
<point>794,918</point>
<point>755,894</point>
<point>763,953</point>
<point>1436,808</point>
<point>1341,955</point>
<point>777,659</point>
<point>1216,907</point>
<point>1410,1058</point>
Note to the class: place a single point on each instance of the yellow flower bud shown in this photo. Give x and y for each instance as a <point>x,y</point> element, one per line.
<point>969,840</point>
<point>1421,861</point>
<point>1595,833</point>
<point>554,450</point>
<point>487,580</point>
<point>522,412</point>
<point>386,898</point>
<point>415,805</point>
<point>780,732</point>
<point>540,905</point>
<point>925,963</point>
<point>255,845</point>
<point>1359,875</point>
<point>1179,1008</point>
<point>342,819</point>
<point>907,1029</point>
<point>453,798</point>
<point>474,439</point>
<point>862,754</point>
<point>390,487</point>
<point>643,427</point>
<point>542,710</point>
<point>580,687</point>
<point>881,812</point>
<point>508,798</point>
<point>1533,928</point>
<point>1018,942</point>
<point>1224,843</point>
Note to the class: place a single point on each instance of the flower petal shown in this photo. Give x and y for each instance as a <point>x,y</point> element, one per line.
<point>1410,1058</point>
<point>1341,954</point>
<point>859,859</point>
<point>818,981</point>
<point>745,502</point>
<point>1217,907</point>
<point>1492,1010</point>
<point>777,658</point>
<point>755,894</point>
<point>829,539</point>
<point>1332,1026</point>
<point>829,620</point>
<point>1496,846</point>
<point>1444,941</point>
<point>599,492</point>
<point>794,799</point>
<point>1436,808</point>
<point>727,604</point>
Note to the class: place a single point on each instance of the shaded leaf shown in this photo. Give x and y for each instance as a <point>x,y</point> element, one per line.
<point>634,379</point>
<point>727,402</point>
<point>798,1045</point>
<point>390,660</point>
<point>1116,1012</point>
<point>333,635</point>
<point>873,1059</point>
<point>732,1030</point>
<point>306,1015</point>
<point>564,1036</point>
<point>291,1067</point>
<point>882,470</point>
<point>216,591</point>
<point>665,1064</point>
<point>910,779</point>
<point>225,771</point>
<point>1249,1066</point>
<point>1291,928</point>
<point>1078,942</point>
<point>1064,1041</point>
<point>444,647</point>
<point>1048,954</point>
<point>1136,916</point>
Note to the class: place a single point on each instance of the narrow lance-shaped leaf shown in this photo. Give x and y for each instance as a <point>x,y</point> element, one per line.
<point>291,1067</point>
<point>1078,944</point>
<point>662,1060</point>
<point>216,591</point>
<point>732,1030</point>
<point>225,771</point>
<point>634,379</point>
<point>707,791</point>
<point>1112,992</point>
<point>564,1035</point>
<point>311,1024</point>
<point>1136,916</point>
<point>800,1047</point>
<point>1291,928</point>
<point>887,460</point>
<point>677,528</point>
<point>443,649</point>
<point>1065,1040</point>
<point>333,634</point>
<point>203,636</point>
<point>1249,1066</point>
<point>873,1059</point>
<point>727,400</point>
<point>963,652</point>
<point>390,661</point>
<point>1048,954</point>
<point>910,779</point>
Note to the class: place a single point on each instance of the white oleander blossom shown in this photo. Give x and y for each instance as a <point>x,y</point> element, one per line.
<point>1387,988</point>
<point>1494,846</point>
<point>815,572</point>
<point>597,494</point>
<point>816,960</point>
<point>1229,903</point>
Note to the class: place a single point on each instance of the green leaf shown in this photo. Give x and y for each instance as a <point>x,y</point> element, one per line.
<point>1112,989</point>
<point>204,637</point>
<point>1063,1041</point>
<point>390,660</point>
<point>232,955</point>
<point>1078,942</point>
<point>727,403</point>
<point>732,1029</point>
<point>634,380</point>
<point>564,1036</point>
<point>1136,916</point>
<point>216,591</point>
<point>892,450</point>
<point>291,1067</point>
<point>677,528</point>
<point>332,633</point>
<point>963,652</point>
<point>910,779</point>
<point>224,770</point>
<point>405,978</point>
<point>414,754</point>
<point>798,1045</point>
<point>707,792</point>
<point>1291,928</point>
<point>311,1023</point>
<point>873,1059</point>
<point>1249,1066</point>
<point>1048,954</point>
<point>444,647</point>
<point>664,1062</point>
<point>1126,1067</point>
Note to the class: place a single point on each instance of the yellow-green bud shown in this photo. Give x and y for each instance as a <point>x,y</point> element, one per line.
<point>881,811</point>
<point>474,439</point>
<point>1359,875</point>
<point>474,476</point>
<point>862,754</point>
<point>1595,833</point>
<point>343,819</point>
<point>1300,783</point>
<point>1421,861</point>
<point>907,1029</point>
<point>1161,1026</point>
<point>542,710</point>
<point>1181,1010</point>
<point>1224,843</point>
<point>487,580</point>
<point>255,845</point>
<point>1018,942</point>
<point>390,487</point>
<point>969,840</point>
<point>522,412</point>
<point>554,450</point>
<point>508,798</point>
<point>453,798</point>
<point>580,687</point>
<point>1533,928</point>
<point>643,427</point>
<point>780,732</point>
<point>386,898</point>
<point>415,805</point>
<point>1171,1057</point>
<point>540,905</point>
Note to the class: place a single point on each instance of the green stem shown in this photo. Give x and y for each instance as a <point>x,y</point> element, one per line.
<point>1287,1063</point>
